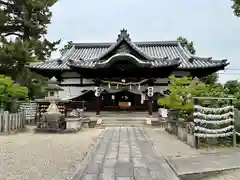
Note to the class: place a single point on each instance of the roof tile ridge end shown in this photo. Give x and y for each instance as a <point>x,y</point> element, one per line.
<point>184,51</point>
<point>209,59</point>
<point>67,54</point>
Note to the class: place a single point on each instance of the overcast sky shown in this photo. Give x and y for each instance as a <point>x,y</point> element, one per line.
<point>210,24</point>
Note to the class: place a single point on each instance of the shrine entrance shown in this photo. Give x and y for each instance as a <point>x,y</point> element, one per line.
<point>124,100</point>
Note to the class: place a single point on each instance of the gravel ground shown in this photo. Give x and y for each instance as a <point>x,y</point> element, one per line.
<point>29,156</point>
<point>169,145</point>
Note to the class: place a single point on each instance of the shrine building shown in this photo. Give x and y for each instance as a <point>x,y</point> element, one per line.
<point>123,75</point>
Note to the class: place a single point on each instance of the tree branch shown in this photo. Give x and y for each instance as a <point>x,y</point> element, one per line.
<point>5,3</point>
<point>11,33</point>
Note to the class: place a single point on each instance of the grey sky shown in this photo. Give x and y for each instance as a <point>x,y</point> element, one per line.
<point>210,24</point>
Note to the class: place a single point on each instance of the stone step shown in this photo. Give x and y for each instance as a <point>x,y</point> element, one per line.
<point>121,125</point>
<point>124,122</point>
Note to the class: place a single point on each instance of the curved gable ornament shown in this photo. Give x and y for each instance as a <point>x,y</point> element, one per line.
<point>124,56</point>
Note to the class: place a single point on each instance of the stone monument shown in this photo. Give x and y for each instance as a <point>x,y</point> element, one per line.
<point>53,117</point>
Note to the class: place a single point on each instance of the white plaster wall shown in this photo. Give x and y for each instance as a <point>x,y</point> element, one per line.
<point>161,80</point>
<point>181,73</point>
<point>70,74</point>
<point>76,80</point>
<point>71,81</point>
<point>87,81</point>
<point>160,89</point>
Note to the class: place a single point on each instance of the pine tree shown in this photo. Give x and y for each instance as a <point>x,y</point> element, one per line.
<point>210,79</point>
<point>23,27</point>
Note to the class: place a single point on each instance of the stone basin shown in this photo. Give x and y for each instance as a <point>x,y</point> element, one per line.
<point>73,123</point>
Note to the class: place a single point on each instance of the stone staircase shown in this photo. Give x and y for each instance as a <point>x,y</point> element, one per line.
<point>125,122</point>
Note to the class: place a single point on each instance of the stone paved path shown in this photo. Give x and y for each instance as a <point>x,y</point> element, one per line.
<point>124,153</point>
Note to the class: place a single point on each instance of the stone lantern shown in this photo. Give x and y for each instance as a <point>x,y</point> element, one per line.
<point>53,89</point>
<point>53,117</point>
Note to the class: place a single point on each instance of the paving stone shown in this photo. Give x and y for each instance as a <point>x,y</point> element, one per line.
<point>158,175</point>
<point>98,158</point>
<point>112,155</point>
<point>125,154</point>
<point>90,177</point>
<point>141,171</point>
<point>124,169</point>
<point>153,166</point>
<point>124,178</point>
<point>93,168</point>
<point>124,158</point>
<point>108,174</point>
<point>138,162</point>
<point>110,163</point>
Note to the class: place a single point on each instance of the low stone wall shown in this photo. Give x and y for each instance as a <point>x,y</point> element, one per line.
<point>183,130</point>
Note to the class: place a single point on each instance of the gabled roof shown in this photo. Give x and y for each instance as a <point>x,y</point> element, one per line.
<point>154,53</point>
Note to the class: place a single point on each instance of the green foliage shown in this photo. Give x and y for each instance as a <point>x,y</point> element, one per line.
<point>66,47</point>
<point>27,20</point>
<point>34,82</point>
<point>181,91</point>
<point>236,7</point>
<point>180,94</point>
<point>210,79</point>
<point>233,89</point>
<point>232,86</point>
<point>186,44</point>
<point>23,27</point>
<point>10,91</point>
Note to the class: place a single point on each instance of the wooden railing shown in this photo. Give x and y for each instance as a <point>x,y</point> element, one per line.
<point>11,122</point>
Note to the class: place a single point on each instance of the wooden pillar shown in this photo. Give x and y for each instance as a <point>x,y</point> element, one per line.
<point>98,100</point>
<point>234,140</point>
<point>98,105</point>
<point>150,95</point>
<point>150,108</point>
<point>196,102</point>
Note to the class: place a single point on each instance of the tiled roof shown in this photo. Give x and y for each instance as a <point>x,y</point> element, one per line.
<point>106,63</point>
<point>70,92</point>
<point>158,53</point>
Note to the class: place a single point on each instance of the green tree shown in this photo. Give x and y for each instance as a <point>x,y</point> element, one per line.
<point>180,94</point>
<point>66,47</point>
<point>10,90</point>
<point>236,7</point>
<point>28,20</point>
<point>210,79</point>
<point>232,87</point>
<point>187,44</point>
<point>23,27</point>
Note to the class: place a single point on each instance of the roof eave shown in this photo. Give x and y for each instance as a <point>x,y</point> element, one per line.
<point>219,67</point>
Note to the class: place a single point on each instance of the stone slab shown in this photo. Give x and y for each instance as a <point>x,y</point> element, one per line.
<point>205,163</point>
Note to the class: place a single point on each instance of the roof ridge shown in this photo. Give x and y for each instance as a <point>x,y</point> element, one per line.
<point>84,44</point>
<point>192,56</point>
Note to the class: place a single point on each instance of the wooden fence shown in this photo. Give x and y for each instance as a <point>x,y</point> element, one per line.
<point>30,109</point>
<point>11,122</point>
